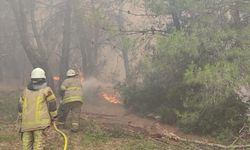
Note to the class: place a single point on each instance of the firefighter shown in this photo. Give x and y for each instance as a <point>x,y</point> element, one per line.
<point>37,109</point>
<point>72,100</point>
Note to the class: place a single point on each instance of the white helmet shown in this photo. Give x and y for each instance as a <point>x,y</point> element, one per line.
<point>38,73</point>
<point>71,73</point>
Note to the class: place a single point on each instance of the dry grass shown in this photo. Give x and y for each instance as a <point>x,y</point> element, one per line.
<point>91,137</point>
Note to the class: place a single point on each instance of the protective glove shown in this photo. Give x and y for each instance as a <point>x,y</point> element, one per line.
<point>54,119</point>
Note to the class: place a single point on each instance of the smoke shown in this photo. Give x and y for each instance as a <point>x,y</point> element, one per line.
<point>92,87</point>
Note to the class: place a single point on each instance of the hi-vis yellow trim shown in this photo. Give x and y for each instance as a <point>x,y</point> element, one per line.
<point>63,87</point>
<point>38,107</point>
<point>73,98</point>
<point>73,88</point>
<point>51,97</point>
<point>24,104</point>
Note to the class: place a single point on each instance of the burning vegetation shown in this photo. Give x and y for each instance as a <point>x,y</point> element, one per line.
<point>111,98</point>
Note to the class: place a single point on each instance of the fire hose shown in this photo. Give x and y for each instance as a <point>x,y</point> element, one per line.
<point>63,135</point>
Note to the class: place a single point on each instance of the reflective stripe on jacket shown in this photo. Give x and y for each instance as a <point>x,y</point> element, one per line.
<point>72,88</point>
<point>35,113</point>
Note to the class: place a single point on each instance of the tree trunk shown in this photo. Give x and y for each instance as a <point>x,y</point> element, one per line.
<point>87,41</point>
<point>36,56</point>
<point>21,22</point>
<point>126,64</point>
<point>83,44</point>
<point>64,65</point>
<point>124,51</point>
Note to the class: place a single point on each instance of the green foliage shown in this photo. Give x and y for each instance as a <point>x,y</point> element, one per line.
<point>192,77</point>
<point>218,81</point>
<point>228,115</point>
<point>168,115</point>
<point>163,7</point>
<point>94,138</point>
<point>135,96</point>
<point>141,145</point>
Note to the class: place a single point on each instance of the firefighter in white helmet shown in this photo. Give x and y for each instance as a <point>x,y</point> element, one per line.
<point>37,110</point>
<point>72,100</point>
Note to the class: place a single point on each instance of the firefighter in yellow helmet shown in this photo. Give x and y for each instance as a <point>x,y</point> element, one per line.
<point>72,100</point>
<point>37,110</point>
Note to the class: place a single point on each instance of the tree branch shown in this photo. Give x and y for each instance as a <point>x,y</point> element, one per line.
<point>145,31</point>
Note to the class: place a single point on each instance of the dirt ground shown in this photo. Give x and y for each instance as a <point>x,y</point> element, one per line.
<point>105,126</point>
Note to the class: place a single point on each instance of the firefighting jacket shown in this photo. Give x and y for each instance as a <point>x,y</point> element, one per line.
<point>72,88</point>
<point>37,108</point>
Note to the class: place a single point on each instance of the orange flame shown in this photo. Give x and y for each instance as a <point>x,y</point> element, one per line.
<point>111,99</point>
<point>81,76</point>
<point>56,78</point>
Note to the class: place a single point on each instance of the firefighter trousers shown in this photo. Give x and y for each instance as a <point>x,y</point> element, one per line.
<point>33,140</point>
<point>75,109</point>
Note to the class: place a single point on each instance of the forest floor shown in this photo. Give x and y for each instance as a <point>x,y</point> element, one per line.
<point>104,126</point>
